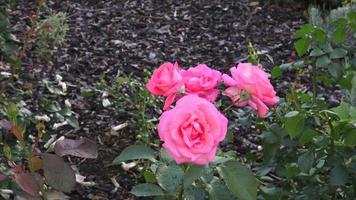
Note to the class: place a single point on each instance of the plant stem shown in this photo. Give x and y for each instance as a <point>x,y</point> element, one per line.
<point>314,82</point>
<point>227,108</point>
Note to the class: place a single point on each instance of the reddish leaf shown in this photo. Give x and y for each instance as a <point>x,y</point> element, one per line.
<point>28,183</point>
<point>5,124</point>
<point>2,177</point>
<point>36,163</point>
<point>83,148</point>
<point>17,133</point>
<point>58,174</point>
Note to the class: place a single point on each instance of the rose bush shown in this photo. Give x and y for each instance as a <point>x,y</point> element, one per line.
<point>250,85</point>
<point>202,80</point>
<point>192,130</point>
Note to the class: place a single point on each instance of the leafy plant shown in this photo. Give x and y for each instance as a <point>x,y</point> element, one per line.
<point>27,160</point>
<point>310,147</point>
<point>50,34</point>
<point>131,97</point>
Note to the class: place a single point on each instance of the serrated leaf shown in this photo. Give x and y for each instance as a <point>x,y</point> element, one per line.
<point>149,176</point>
<point>308,136</point>
<point>304,30</point>
<point>339,35</point>
<point>302,46</point>
<point>338,53</point>
<point>135,152</point>
<point>83,148</point>
<point>342,111</point>
<point>323,61</point>
<point>192,174</point>
<point>194,193</point>
<point>146,190</point>
<point>306,161</point>
<point>350,137</point>
<point>338,175</point>
<point>319,35</point>
<point>239,179</point>
<point>316,52</point>
<point>294,125</point>
<point>58,174</point>
<point>169,177</point>
<point>291,170</point>
<point>218,191</point>
<point>335,70</point>
<point>276,72</point>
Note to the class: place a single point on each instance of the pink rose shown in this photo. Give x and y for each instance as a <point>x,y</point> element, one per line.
<point>250,85</point>
<point>192,130</point>
<point>166,81</point>
<point>202,80</point>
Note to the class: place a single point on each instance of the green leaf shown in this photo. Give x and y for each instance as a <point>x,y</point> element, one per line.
<point>338,53</point>
<point>218,191</point>
<point>149,176</point>
<point>292,114</point>
<point>339,35</point>
<point>350,137</point>
<point>276,72</point>
<point>319,35</point>
<point>353,92</point>
<point>338,175</point>
<point>294,125</point>
<point>308,136</point>
<point>291,170</point>
<point>194,193</point>
<point>192,174</point>
<point>146,190</point>
<point>323,61</point>
<point>239,179</point>
<point>335,70</point>
<point>342,111</point>
<point>164,156</point>
<point>169,177</point>
<point>135,152</point>
<point>316,52</point>
<point>302,46</point>
<point>12,111</point>
<point>304,30</point>
<point>306,161</point>
<point>73,122</point>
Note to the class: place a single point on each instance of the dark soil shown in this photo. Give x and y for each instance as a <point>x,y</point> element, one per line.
<point>113,37</point>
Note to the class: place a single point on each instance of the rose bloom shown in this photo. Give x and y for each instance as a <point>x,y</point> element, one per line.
<point>192,130</point>
<point>250,85</point>
<point>202,80</point>
<point>166,81</point>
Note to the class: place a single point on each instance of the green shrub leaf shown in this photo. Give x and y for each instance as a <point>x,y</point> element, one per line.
<point>239,179</point>
<point>192,174</point>
<point>338,53</point>
<point>135,152</point>
<point>294,125</point>
<point>306,161</point>
<point>146,190</point>
<point>169,177</point>
<point>302,46</point>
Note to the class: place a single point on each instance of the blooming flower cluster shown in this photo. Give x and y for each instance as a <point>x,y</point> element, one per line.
<point>193,129</point>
